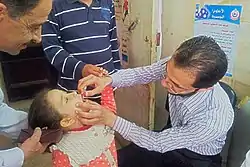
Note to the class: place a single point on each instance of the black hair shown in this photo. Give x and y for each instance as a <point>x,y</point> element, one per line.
<point>18,8</point>
<point>204,57</point>
<point>42,114</point>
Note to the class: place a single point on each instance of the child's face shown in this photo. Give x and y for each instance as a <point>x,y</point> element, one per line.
<point>63,102</point>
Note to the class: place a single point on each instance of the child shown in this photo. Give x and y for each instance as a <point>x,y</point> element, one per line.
<point>79,146</point>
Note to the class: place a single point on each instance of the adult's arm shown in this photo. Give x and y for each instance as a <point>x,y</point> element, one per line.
<point>139,75</point>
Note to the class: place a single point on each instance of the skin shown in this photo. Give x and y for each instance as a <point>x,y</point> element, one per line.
<point>178,81</point>
<point>65,104</point>
<point>23,30</point>
<point>15,35</point>
<point>87,2</point>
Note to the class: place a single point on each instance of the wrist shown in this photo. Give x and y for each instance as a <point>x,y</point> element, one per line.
<point>108,80</point>
<point>111,118</point>
<point>22,150</point>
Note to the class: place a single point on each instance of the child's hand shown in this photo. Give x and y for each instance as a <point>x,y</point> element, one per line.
<point>92,69</point>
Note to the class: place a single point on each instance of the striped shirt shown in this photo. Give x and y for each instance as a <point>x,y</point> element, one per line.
<point>200,122</point>
<point>76,34</point>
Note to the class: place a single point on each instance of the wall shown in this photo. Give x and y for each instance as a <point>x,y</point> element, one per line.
<point>133,103</point>
<point>178,16</point>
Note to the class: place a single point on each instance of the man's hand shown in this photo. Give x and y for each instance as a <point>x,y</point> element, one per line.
<point>32,145</point>
<point>97,114</point>
<point>99,83</point>
<point>89,69</point>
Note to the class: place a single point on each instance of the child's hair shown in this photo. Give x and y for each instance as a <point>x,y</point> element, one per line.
<point>42,114</point>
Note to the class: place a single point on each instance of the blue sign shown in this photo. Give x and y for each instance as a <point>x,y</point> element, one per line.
<point>220,22</point>
<point>230,13</point>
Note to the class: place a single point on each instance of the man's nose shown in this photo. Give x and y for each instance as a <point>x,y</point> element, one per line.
<point>73,94</point>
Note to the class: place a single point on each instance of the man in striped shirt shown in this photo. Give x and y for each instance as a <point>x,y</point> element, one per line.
<point>78,36</point>
<point>200,110</point>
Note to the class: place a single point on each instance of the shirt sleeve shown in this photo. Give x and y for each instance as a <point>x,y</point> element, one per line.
<point>11,120</point>
<point>114,39</point>
<point>11,158</point>
<point>139,75</point>
<point>199,130</point>
<point>65,63</point>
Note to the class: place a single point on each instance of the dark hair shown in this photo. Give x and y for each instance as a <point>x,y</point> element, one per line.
<point>18,8</point>
<point>203,56</point>
<point>42,114</point>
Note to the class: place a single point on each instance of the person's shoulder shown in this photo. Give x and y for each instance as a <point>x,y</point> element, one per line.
<point>59,3</point>
<point>109,2</point>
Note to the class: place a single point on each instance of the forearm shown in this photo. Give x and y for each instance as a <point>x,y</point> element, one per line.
<point>14,130</point>
<point>11,157</point>
<point>68,65</point>
<point>139,75</point>
<point>16,121</point>
<point>167,140</point>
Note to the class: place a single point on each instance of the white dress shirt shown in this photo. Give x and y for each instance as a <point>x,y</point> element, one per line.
<point>200,122</point>
<point>11,123</point>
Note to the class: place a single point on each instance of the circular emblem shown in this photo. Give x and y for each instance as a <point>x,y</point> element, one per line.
<point>235,14</point>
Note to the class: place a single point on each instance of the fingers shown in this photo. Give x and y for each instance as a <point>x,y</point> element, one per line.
<point>103,71</point>
<point>43,147</point>
<point>97,72</point>
<point>88,106</point>
<point>36,135</point>
<point>86,81</point>
<point>94,91</point>
<point>89,115</point>
<point>91,102</point>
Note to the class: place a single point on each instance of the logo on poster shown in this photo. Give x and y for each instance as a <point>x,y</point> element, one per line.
<point>235,14</point>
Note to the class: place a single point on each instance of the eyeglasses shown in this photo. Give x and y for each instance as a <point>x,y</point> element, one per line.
<point>174,88</point>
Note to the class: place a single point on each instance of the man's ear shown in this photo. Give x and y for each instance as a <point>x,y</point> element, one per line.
<point>67,122</point>
<point>3,11</point>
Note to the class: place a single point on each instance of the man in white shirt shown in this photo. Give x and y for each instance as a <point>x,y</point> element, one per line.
<point>20,24</point>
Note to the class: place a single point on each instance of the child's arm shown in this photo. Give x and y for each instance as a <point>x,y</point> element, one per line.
<point>107,99</point>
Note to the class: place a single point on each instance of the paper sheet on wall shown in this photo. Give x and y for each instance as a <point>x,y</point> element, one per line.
<point>125,35</point>
<point>122,24</point>
<point>118,9</point>
<point>222,23</point>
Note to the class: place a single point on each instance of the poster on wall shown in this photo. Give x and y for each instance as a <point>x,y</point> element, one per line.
<point>122,24</point>
<point>220,22</point>
<point>125,36</point>
<point>118,9</point>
